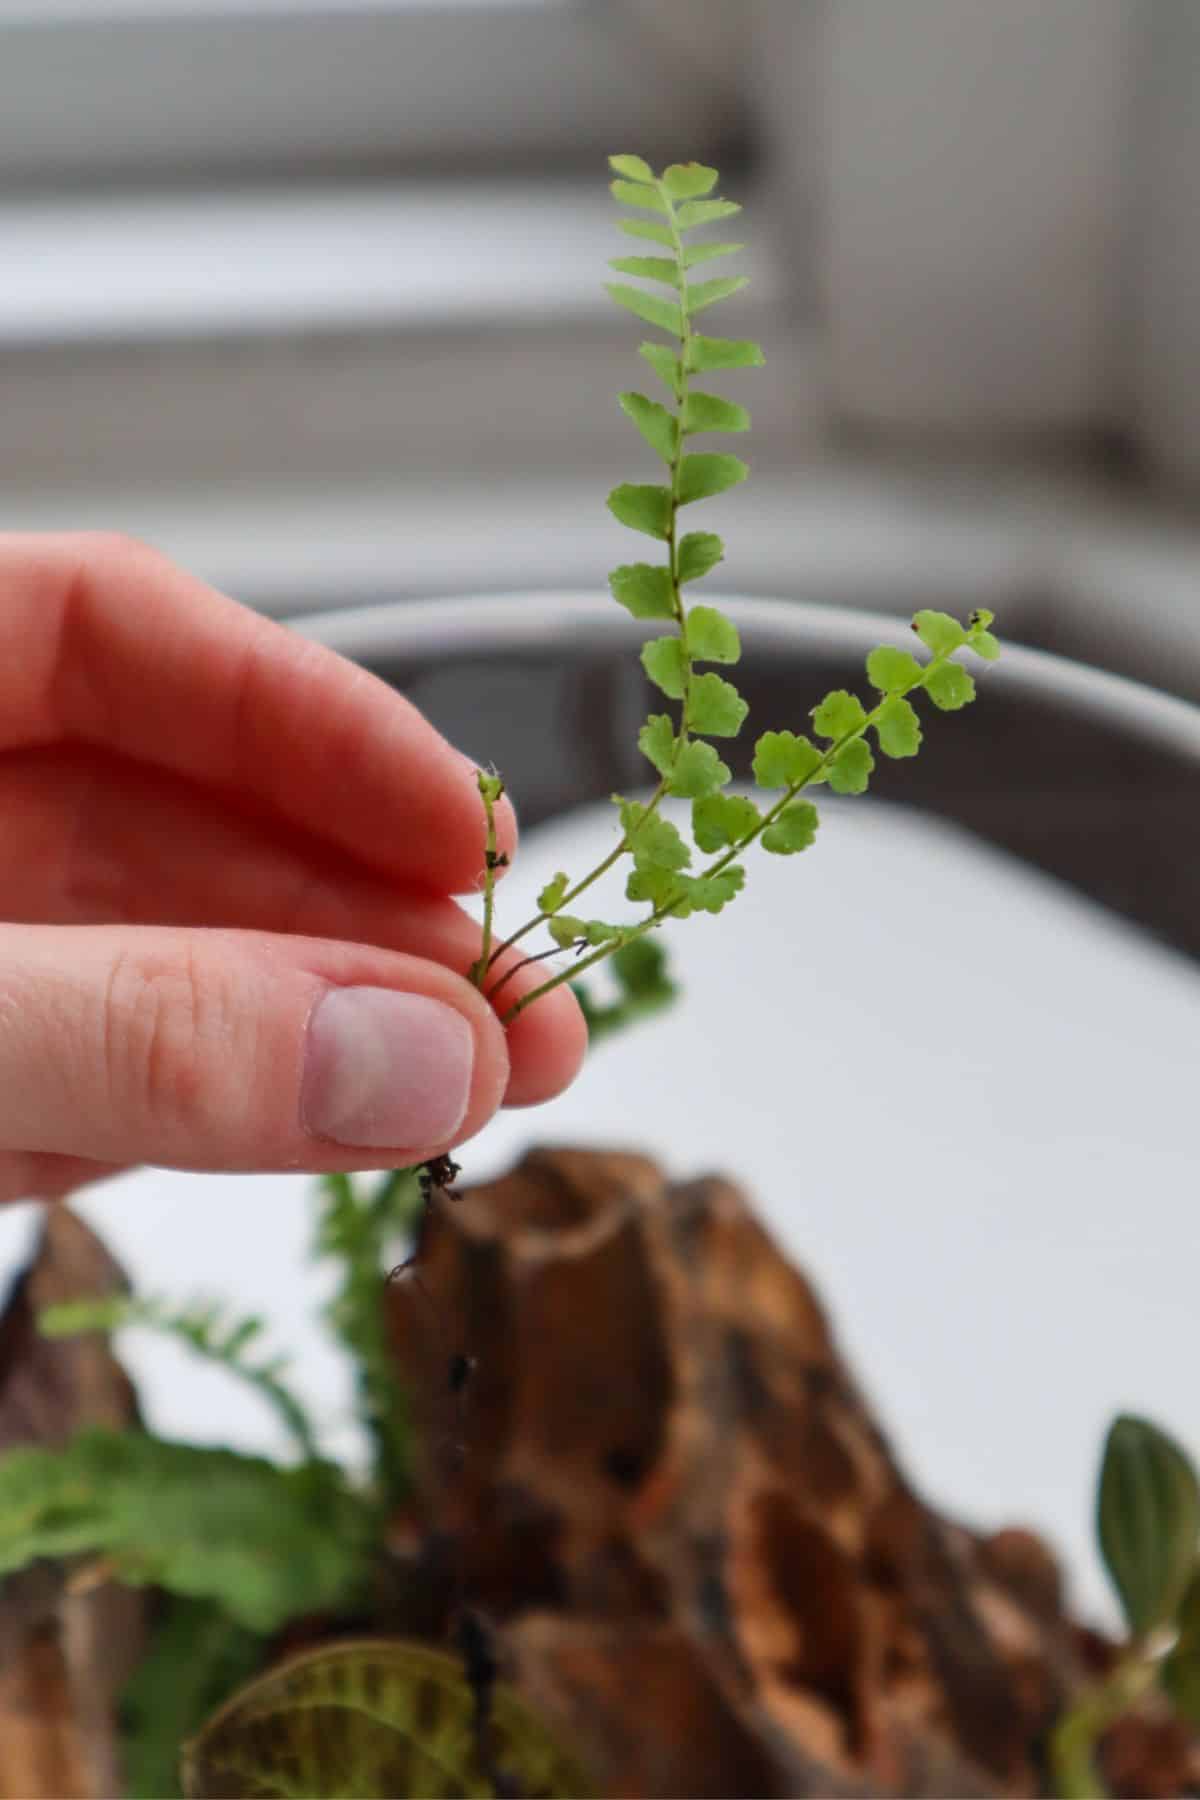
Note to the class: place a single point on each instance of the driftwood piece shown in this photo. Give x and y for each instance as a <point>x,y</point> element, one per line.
<point>64,1652</point>
<point>664,1483</point>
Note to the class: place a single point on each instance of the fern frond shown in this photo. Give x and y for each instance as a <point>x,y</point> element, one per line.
<point>358,1232</point>
<point>266,1544</point>
<point>208,1333</point>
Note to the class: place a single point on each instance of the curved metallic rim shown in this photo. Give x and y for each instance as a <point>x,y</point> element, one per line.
<point>591,621</point>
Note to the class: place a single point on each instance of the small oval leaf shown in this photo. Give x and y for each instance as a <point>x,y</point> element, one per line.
<point>794,830</point>
<point>709,412</point>
<point>706,473</point>
<point>949,687</point>
<point>649,268</point>
<point>636,193</point>
<point>703,212</point>
<point>648,307</point>
<point>1147,1520</point>
<point>683,181</point>
<point>663,661</point>
<point>715,708</point>
<point>720,820</point>
<point>655,423</point>
<point>656,741</point>
<point>699,253</point>
<point>707,293</point>
<point>646,228</point>
<point>699,551</point>
<point>938,631</point>
<point>644,590</point>
<point>645,509</point>
<point>664,363</point>
<point>373,1718</point>
<point>711,636</point>
<point>724,353</point>
<point>632,166</point>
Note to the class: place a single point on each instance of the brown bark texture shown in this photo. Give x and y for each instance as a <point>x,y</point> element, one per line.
<point>663,1484</point>
<point>66,1645</point>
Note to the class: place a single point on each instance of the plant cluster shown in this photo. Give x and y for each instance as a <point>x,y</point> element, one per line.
<point>238,1546</point>
<point>1148,1527</point>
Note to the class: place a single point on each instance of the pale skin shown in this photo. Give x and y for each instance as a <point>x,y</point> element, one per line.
<point>208,825</point>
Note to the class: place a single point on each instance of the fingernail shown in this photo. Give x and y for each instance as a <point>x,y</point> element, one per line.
<point>385,1068</point>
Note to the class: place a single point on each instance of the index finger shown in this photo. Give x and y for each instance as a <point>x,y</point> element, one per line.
<point>104,641</point>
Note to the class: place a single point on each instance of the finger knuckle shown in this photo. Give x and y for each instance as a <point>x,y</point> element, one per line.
<point>167,1031</point>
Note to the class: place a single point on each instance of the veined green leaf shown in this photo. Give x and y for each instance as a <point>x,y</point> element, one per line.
<point>715,708</point>
<point>698,771</point>
<point>851,768</point>
<point>637,193</point>
<point>551,896</point>
<point>979,637</point>
<point>665,664</point>
<point>645,509</point>
<point>566,929</point>
<point>648,307</point>
<point>892,671</point>
<point>838,714</point>
<point>1148,1521</point>
<point>711,893</point>
<point>950,687</point>
<point>641,969</point>
<point>709,412</point>
<point>656,741</point>
<point>195,1659</point>
<point>781,759</point>
<point>711,636</point>
<point>698,253</point>
<point>375,1717</point>
<point>655,423</point>
<point>703,212</point>
<point>643,589</point>
<point>699,551</point>
<point>719,820</point>
<point>708,472</point>
<point>650,268</point>
<point>664,363</point>
<point>707,293</point>
<point>633,167</point>
<point>684,180</point>
<point>794,830</point>
<point>659,886</point>
<point>266,1543</point>
<point>654,842</point>
<point>723,353</point>
<point>898,728</point>
<point>646,228</point>
<point>682,895</point>
<point>938,631</point>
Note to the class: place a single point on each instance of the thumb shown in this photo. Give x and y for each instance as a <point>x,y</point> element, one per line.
<point>237,1050</point>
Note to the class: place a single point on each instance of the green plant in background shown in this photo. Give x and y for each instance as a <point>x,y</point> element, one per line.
<point>1148,1524</point>
<point>239,1546</point>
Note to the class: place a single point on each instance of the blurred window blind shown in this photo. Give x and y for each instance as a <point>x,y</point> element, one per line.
<point>96,90</point>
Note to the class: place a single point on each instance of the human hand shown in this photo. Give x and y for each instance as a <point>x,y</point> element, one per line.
<point>226,862</point>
